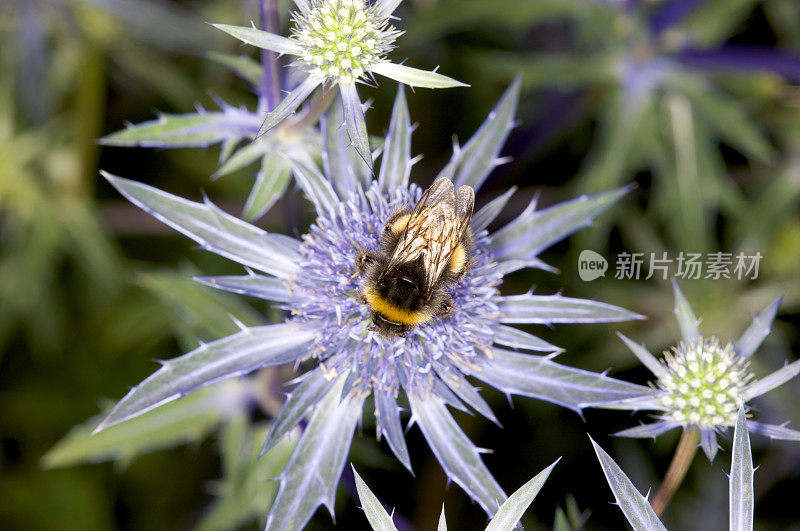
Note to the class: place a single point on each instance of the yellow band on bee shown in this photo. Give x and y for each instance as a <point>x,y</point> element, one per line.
<point>400,223</point>
<point>458,259</point>
<point>393,313</point>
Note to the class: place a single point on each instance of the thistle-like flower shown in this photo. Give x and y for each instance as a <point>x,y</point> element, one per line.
<point>702,382</point>
<point>339,43</point>
<point>316,280</point>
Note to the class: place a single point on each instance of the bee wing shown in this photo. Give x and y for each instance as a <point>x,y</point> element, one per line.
<point>448,235</point>
<point>435,227</point>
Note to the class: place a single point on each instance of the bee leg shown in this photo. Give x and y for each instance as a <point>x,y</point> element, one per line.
<point>364,258</point>
<point>446,308</point>
<point>461,274</point>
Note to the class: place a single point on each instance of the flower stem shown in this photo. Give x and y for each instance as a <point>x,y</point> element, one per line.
<point>269,91</point>
<point>684,454</point>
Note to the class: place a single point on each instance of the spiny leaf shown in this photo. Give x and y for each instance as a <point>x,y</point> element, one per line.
<point>186,130</point>
<point>479,156</point>
<point>458,456</point>
<point>534,231</point>
<point>262,39</point>
<point>235,355</point>
<point>549,309</point>
<point>396,160</point>
<point>214,229</point>
<point>312,473</point>
<point>741,493</point>
<point>512,509</point>
<point>378,518</point>
<point>635,507</point>
<point>414,77</point>
<point>540,377</point>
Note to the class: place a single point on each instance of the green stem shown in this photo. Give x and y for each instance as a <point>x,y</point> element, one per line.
<point>684,454</point>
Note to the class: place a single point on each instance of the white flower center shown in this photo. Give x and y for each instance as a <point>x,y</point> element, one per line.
<point>341,39</point>
<point>704,383</point>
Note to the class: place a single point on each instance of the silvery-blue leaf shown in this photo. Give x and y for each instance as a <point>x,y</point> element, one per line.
<point>388,417</point>
<point>515,338</point>
<point>354,122</point>
<point>215,230</point>
<point>708,442</point>
<point>644,355</point>
<point>635,507</point>
<point>741,478</point>
<point>384,8</point>
<point>509,266</point>
<point>773,431</point>
<point>532,231</point>
<point>200,129</point>
<point>262,39</point>
<point>242,65</point>
<point>245,156</point>
<point>512,509</point>
<point>651,401</point>
<point>272,180</point>
<point>459,458</point>
<point>490,211</point>
<point>549,309</point>
<point>757,331</point>
<point>289,104</point>
<point>444,392</point>
<point>260,286</point>
<point>478,157</point>
<point>317,188</point>
<point>442,521</point>
<point>690,330</point>
<point>648,431</point>
<point>396,159</point>
<point>378,518</point>
<point>540,377</point>
<point>300,400</point>
<point>311,476</point>
<point>461,387</point>
<point>414,77</point>
<point>235,355</point>
<point>770,382</point>
<point>338,159</point>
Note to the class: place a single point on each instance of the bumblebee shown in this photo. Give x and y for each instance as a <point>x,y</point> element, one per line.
<point>423,252</point>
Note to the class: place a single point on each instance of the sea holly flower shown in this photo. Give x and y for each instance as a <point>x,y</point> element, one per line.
<point>339,43</point>
<point>701,383</point>
<point>642,517</point>
<point>316,281</point>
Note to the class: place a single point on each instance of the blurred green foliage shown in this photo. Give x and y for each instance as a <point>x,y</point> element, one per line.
<point>85,307</point>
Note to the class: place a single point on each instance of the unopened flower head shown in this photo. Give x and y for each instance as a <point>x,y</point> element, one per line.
<point>341,39</point>
<point>704,383</point>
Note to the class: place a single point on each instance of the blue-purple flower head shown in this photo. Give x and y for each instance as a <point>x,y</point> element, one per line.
<point>315,279</point>
<point>325,295</point>
<point>702,382</point>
